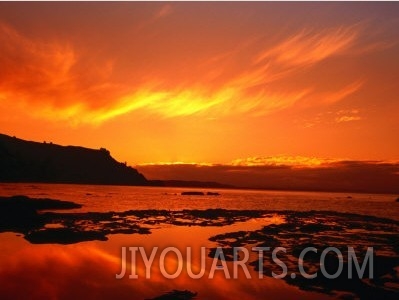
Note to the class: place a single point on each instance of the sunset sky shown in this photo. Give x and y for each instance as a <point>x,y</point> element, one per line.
<point>212,83</point>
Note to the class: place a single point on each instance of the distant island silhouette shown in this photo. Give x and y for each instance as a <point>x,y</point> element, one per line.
<point>28,161</point>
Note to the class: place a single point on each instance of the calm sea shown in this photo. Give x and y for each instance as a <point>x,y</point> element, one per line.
<point>87,270</point>
<point>101,198</point>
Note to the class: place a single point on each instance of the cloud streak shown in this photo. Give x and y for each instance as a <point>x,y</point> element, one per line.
<point>309,46</point>
<point>341,94</point>
<point>58,81</point>
<point>344,116</point>
<point>283,160</point>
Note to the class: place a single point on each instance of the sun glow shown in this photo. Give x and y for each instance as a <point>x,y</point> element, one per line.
<point>178,84</point>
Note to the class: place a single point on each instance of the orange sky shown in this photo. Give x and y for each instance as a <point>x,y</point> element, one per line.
<point>204,82</point>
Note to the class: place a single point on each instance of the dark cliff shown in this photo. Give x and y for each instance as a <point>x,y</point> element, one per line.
<point>26,161</point>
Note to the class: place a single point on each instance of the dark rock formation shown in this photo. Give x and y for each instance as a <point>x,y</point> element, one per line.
<point>213,194</point>
<point>293,230</point>
<point>176,295</point>
<point>193,193</point>
<point>321,230</point>
<point>196,193</point>
<point>25,161</point>
<point>19,213</point>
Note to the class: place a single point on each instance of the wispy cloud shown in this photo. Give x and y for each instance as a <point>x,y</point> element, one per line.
<point>336,96</point>
<point>157,15</point>
<point>52,79</point>
<point>347,116</point>
<point>58,81</point>
<point>310,46</point>
<point>165,10</point>
<point>342,119</point>
<point>50,84</point>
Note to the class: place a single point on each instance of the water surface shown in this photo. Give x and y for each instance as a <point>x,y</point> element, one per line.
<point>88,269</point>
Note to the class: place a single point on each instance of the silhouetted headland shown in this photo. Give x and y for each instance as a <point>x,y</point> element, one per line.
<point>25,161</point>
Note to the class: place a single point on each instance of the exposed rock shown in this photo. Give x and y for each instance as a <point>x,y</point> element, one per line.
<point>19,213</point>
<point>176,295</point>
<point>213,194</point>
<point>193,193</point>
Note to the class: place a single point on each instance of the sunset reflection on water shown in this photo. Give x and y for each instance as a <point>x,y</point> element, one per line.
<point>83,268</point>
<point>88,270</point>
